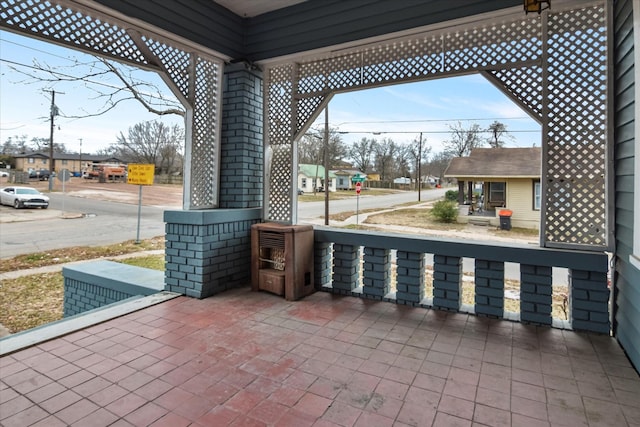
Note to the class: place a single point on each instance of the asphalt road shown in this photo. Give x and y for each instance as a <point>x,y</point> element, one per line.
<point>310,210</point>
<point>76,221</point>
<point>82,222</point>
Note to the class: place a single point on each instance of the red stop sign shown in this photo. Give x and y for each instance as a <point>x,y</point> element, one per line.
<point>358,187</point>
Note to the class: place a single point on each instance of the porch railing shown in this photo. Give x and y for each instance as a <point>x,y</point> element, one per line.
<point>395,268</point>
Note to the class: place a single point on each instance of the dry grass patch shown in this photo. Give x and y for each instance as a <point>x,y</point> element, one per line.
<point>38,299</point>
<point>408,217</point>
<point>31,301</point>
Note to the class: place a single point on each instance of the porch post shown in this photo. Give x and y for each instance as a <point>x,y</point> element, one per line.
<point>461,192</point>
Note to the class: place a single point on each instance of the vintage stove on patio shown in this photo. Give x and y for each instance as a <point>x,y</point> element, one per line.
<point>282,259</point>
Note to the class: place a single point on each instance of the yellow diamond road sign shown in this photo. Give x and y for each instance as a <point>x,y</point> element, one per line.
<point>140,174</point>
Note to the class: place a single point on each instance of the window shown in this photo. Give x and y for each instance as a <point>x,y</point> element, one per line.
<point>497,192</point>
<point>304,182</point>
<point>64,161</point>
<point>31,160</point>
<point>537,195</point>
<point>44,161</point>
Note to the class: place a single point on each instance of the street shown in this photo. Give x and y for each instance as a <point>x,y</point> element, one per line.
<point>310,210</point>
<point>92,222</point>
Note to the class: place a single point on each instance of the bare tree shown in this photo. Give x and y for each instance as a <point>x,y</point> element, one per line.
<point>463,140</point>
<point>438,164</point>
<point>311,146</point>
<point>402,159</point>
<point>152,142</point>
<point>498,133</point>
<point>111,82</point>
<point>361,152</point>
<point>385,152</point>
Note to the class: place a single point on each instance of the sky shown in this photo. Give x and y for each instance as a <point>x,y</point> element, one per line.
<point>399,112</point>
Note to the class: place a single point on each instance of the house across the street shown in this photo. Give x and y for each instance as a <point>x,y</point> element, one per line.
<point>496,179</point>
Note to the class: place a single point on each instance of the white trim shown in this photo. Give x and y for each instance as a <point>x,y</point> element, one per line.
<point>634,259</point>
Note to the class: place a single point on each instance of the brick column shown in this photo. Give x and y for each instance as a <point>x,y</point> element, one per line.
<point>345,268</point>
<point>589,301</point>
<point>377,272</point>
<point>536,293</point>
<point>489,288</point>
<point>241,148</point>
<point>447,282</point>
<point>410,278</point>
<point>322,264</point>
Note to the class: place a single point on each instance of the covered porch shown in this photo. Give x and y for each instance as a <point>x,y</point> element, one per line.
<point>372,347</point>
<point>253,359</point>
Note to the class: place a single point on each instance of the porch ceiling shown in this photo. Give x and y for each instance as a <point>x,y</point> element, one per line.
<point>251,8</point>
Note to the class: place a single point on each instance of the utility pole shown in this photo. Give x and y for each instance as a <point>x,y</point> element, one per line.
<point>419,165</point>
<point>53,114</point>
<point>80,159</point>
<point>326,165</point>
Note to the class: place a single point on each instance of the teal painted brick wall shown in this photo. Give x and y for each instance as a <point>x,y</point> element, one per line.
<point>241,148</point>
<point>208,252</point>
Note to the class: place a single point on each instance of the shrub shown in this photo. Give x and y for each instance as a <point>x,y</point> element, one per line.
<point>451,195</point>
<point>445,211</point>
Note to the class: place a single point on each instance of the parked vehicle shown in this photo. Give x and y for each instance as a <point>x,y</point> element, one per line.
<point>40,174</point>
<point>23,197</point>
<point>107,172</point>
<point>4,173</point>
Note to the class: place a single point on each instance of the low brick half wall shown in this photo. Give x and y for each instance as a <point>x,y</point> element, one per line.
<point>208,251</point>
<point>96,284</point>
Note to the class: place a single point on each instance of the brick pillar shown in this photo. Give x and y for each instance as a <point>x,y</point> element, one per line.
<point>447,282</point>
<point>345,268</point>
<point>489,288</point>
<point>589,301</point>
<point>536,293</point>
<point>241,148</point>
<point>322,264</point>
<point>377,272</point>
<point>410,278</point>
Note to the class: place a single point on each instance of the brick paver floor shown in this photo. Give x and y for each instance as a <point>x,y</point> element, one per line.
<point>253,359</point>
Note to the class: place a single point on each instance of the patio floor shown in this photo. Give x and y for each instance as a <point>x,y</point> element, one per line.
<point>253,359</point>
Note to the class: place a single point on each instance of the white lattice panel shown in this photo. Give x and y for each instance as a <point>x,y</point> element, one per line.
<point>525,84</point>
<point>196,78</point>
<point>576,133</point>
<point>175,63</point>
<point>280,195</point>
<point>420,57</point>
<point>493,45</point>
<point>280,129</point>
<point>51,20</point>
<point>511,53</point>
<point>205,148</point>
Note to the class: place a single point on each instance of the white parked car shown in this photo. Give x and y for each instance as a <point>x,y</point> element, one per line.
<point>23,197</point>
<point>4,173</point>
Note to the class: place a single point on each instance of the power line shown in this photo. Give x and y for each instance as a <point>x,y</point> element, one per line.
<point>76,78</point>
<point>36,50</point>
<point>436,120</point>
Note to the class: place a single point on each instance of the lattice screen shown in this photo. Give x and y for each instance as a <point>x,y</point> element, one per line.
<point>510,52</point>
<point>576,131</point>
<point>196,77</point>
